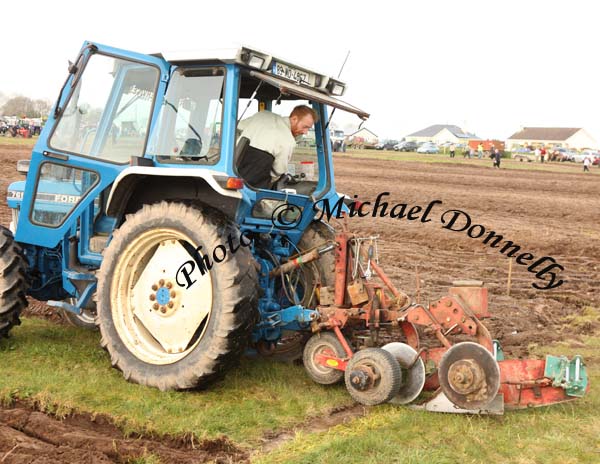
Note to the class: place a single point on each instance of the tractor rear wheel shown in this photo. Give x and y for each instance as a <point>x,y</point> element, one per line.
<point>13,282</point>
<point>317,235</point>
<point>166,321</point>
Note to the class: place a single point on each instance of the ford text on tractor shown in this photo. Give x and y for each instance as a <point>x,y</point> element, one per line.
<point>144,213</point>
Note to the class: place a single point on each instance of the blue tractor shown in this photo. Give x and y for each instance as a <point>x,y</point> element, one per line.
<point>134,216</point>
<point>144,214</point>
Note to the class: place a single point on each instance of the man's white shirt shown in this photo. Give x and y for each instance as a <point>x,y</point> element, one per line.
<point>272,133</point>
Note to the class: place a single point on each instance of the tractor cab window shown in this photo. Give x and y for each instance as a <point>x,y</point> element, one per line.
<point>109,110</point>
<point>189,130</point>
<point>303,164</point>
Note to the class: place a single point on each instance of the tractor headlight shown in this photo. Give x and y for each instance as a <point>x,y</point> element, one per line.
<point>336,88</point>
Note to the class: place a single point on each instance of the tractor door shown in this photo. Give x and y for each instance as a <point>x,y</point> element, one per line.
<point>101,121</point>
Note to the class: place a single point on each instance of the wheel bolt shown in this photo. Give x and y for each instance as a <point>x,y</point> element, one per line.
<point>152,297</point>
<point>161,282</point>
<point>163,309</point>
<point>155,306</point>
<point>173,293</point>
<point>169,285</point>
<point>154,287</point>
<point>170,304</point>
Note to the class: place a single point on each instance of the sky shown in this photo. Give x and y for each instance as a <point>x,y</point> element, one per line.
<point>488,67</point>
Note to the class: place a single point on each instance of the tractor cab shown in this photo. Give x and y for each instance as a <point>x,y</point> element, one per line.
<point>135,128</point>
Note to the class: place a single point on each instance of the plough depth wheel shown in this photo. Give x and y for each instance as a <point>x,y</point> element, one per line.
<point>373,376</point>
<point>323,343</point>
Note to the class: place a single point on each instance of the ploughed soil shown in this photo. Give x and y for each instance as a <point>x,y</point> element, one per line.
<point>547,214</point>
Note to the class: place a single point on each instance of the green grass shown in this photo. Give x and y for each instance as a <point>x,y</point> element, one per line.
<point>564,433</point>
<point>20,141</point>
<point>444,158</point>
<point>63,369</point>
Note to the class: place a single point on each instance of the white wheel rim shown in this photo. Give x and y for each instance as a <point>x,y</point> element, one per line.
<point>156,318</point>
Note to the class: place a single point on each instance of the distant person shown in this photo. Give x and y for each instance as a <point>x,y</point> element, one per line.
<point>586,164</point>
<point>452,150</point>
<point>497,157</point>
<point>542,154</point>
<point>537,153</point>
<point>480,151</point>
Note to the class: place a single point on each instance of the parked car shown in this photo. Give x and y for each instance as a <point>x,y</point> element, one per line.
<point>524,154</point>
<point>428,147</point>
<point>406,146</point>
<point>386,145</point>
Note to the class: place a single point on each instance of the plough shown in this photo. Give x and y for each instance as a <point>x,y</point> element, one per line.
<point>362,320</point>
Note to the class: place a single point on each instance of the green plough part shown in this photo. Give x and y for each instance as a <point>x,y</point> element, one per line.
<point>569,375</point>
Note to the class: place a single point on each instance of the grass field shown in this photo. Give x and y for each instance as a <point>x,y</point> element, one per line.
<point>63,370</point>
<point>18,141</point>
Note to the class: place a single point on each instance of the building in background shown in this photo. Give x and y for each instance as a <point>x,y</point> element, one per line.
<point>441,133</point>
<point>362,138</point>
<point>566,137</point>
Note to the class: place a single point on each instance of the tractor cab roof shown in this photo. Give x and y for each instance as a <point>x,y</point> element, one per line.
<point>286,80</point>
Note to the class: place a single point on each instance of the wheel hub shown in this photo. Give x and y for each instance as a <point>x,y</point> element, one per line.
<point>466,376</point>
<point>162,316</point>
<point>359,380</point>
<point>166,299</point>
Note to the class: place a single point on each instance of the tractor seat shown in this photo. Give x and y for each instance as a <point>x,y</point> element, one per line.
<point>191,149</point>
<point>253,165</point>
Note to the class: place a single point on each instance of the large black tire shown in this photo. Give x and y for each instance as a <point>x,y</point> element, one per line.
<point>316,235</point>
<point>13,282</point>
<point>220,338</point>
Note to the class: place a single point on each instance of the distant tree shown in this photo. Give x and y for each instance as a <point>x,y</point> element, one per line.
<point>24,107</point>
<point>42,108</point>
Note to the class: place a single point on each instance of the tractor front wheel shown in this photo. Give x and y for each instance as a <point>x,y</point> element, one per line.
<point>176,296</point>
<point>13,282</point>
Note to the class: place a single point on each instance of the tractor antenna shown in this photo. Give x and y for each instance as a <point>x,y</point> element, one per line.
<point>344,64</point>
<point>339,74</point>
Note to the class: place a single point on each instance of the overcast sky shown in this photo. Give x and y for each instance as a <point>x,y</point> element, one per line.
<point>489,67</point>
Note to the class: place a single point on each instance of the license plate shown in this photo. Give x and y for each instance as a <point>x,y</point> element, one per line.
<point>293,74</point>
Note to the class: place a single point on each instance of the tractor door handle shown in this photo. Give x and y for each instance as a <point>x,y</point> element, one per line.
<point>56,156</point>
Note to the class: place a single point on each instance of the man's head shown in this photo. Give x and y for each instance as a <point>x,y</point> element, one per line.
<point>302,118</point>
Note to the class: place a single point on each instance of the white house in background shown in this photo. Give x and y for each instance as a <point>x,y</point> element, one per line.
<point>567,137</point>
<point>365,135</point>
<point>440,133</point>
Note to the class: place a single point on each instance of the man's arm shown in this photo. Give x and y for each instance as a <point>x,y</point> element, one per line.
<point>282,156</point>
